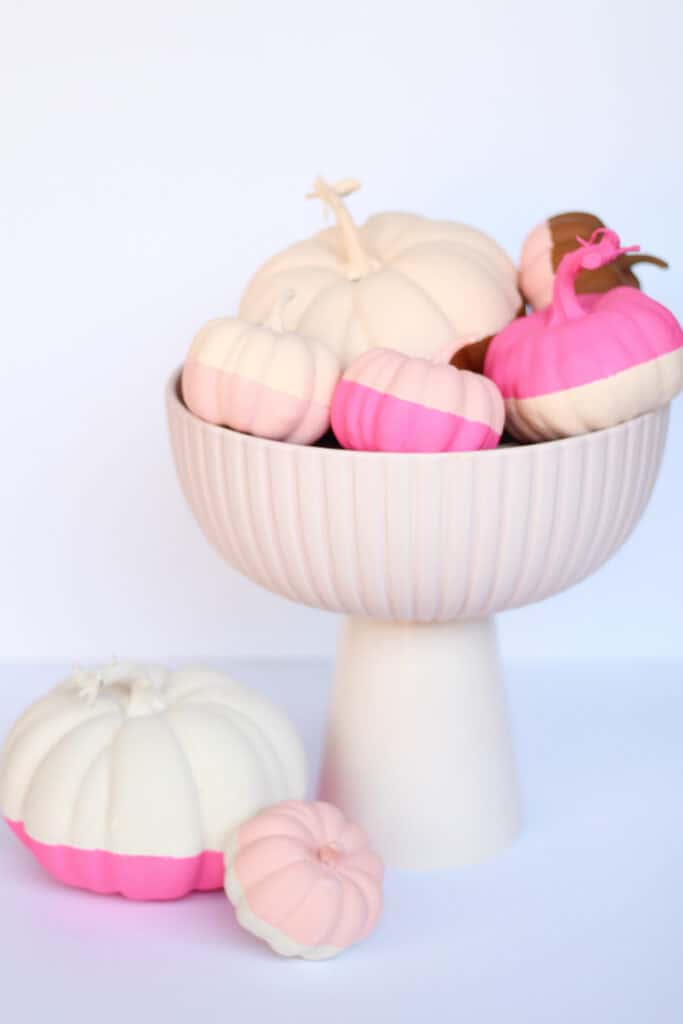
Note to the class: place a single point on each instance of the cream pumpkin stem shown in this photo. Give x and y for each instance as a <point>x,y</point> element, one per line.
<point>140,693</point>
<point>358,260</point>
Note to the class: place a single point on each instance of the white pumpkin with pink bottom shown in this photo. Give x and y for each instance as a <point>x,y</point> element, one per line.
<point>129,780</point>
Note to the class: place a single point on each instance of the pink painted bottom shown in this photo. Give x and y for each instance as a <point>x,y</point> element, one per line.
<point>136,878</point>
<point>368,420</point>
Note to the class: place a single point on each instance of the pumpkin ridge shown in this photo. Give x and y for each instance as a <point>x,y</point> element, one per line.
<point>42,714</point>
<point>72,730</point>
<point>185,758</point>
<point>328,927</point>
<point>372,898</point>
<point>260,840</point>
<point>321,296</point>
<point>106,749</point>
<point>333,921</point>
<point>418,287</point>
<point>365,906</point>
<point>284,868</point>
<point>236,713</point>
<point>346,865</point>
<point>290,815</point>
<point>471,255</point>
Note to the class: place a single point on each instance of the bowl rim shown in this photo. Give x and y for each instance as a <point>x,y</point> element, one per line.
<point>174,399</point>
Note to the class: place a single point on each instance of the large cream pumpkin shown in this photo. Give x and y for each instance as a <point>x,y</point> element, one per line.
<point>129,780</point>
<point>400,281</point>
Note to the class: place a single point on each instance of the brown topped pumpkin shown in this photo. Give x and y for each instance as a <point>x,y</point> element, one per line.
<point>553,239</point>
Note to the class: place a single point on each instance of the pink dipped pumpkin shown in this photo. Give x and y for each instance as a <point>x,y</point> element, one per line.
<point>261,379</point>
<point>586,361</point>
<point>389,402</point>
<point>303,878</point>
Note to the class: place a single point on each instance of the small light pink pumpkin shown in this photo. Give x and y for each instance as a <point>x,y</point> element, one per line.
<point>304,879</point>
<point>586,362</point>
<point>389,402</point>
<point>261,379</point>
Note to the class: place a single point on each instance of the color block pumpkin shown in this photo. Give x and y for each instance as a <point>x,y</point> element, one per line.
<point>304,879</point>
<point>586,361</point>
<point>129,780</point>
<point>401,280</point>
<point>389,402</point>
<point>545,247</point>
<point>261,380</point>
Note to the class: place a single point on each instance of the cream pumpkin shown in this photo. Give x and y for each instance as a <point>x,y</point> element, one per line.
<point>401,280</point>
<point>261,380</point>
<point>128,780</point>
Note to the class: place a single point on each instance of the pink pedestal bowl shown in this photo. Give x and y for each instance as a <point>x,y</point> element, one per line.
<point>419,552</point>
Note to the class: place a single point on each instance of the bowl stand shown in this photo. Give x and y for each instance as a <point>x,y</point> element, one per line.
<point>418,744</point>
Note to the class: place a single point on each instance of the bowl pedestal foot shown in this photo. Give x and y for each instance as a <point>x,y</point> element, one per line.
<point>418,748</point>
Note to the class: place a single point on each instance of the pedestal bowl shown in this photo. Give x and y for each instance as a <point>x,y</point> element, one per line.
<point>418,552</point>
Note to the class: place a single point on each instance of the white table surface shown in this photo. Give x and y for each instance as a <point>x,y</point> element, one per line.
<point>580,921</point>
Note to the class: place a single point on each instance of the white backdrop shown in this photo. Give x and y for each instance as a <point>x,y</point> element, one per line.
<point>153,154</point>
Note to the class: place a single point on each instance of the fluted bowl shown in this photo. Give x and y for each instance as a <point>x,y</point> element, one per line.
<point>417,538</point>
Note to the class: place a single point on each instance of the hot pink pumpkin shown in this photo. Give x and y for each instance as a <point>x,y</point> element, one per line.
<point>389,402</point>
<point>304,879</point>
<point>587,361</point>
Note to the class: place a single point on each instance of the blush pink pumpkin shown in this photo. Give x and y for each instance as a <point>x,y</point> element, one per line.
<point>304,879</point>
<point>586,361</point>
<point>389,402</point>
<point>261,379</point>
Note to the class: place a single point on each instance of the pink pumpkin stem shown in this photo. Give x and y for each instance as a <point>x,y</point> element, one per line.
<point>330,854</point>
<point>602,247</point>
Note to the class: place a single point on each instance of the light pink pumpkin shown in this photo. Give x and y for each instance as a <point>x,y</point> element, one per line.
<point>389,402</point>
<point>304,879</point>
<point>261,379</point>
<point>586,361</point>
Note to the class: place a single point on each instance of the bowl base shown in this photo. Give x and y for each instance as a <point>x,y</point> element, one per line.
<point>419,748</point>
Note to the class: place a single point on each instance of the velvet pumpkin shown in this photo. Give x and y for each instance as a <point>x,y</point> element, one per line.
<point>586,361</point>
<point>401,280</point>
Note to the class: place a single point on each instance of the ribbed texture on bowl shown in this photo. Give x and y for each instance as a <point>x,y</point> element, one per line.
<point>418,538</point>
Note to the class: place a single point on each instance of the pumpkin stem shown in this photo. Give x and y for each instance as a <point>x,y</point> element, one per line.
<point>276,317</point>
<point>641,257</point>
<point>358,260</point>
<point>330,854</point>
<point>602,247</point>
<point>139,688</point>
